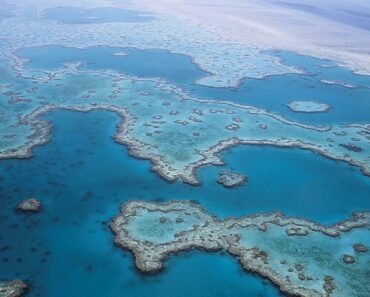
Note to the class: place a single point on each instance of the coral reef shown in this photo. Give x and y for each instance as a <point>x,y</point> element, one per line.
<point>29,205</point>
<point>15,288</point>
<point>308,106</point>
<point>231,179</point>
<point>301,257</point>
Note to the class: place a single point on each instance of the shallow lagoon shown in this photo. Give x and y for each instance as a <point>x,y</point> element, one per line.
<point>82,177</point>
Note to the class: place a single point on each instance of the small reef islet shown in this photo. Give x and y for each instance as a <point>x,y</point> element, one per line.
<point>308,106</point>
<point>231,179</point>
<point>29,205</point>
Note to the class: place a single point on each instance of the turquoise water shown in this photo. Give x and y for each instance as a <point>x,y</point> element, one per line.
<point>348,105</point>
<point>80,15</point>
<point>82,176</point>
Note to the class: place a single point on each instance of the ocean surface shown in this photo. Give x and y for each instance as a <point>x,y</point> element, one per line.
<point>82,177</point>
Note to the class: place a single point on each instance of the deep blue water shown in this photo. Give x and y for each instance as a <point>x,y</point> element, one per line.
<point>348,105</point>
<point>141,63</point>
<point>82,176</point>
<point>80,15</point>
<point>273,93</point>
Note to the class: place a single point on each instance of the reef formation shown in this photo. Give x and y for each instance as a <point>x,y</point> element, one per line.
<point>177,132</point>
<point>231,179</point>
<point>29,205</point>
<point>15,288</point>
<point>308,106</point>
<point>301,257</point>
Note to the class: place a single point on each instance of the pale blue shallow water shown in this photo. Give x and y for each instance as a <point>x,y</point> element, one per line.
<point>82,177</point>
<point>80,15</point>
<point>352,16</point>
<point>4,13</point>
